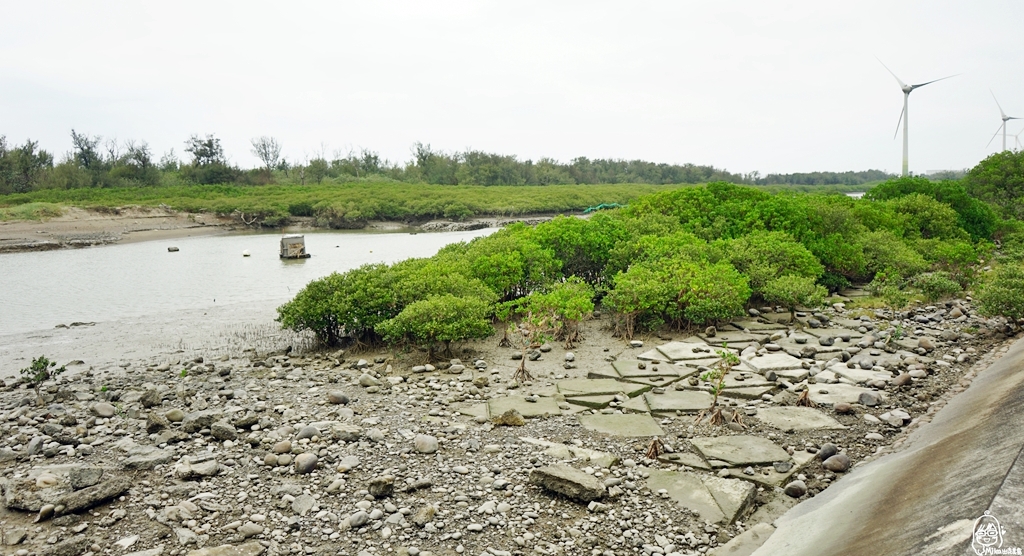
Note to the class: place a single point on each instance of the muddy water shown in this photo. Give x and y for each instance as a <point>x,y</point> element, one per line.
<point>143,297</point>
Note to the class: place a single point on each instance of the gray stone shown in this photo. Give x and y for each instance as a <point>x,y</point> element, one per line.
<point>147,457</point>
<point>902,380</point>
<point>282,447</point>
<point>15,537</point>
<point>793,418</point>
<point>826,451</point>
<point>381,487</point>
<point>715,499</point>
<point>829,394</point>
<point>926,343</point>
<point>424,515</point>
<point>151,398</point>
<point>569,482</point>
<point>156,422</point>
<point>247,549</point>
<point>628,425</point>
<point>175,415</point>
<point>337,397</point>
<point>76,501</point>
<point>74,546</point>
<point>739,450</point>
<point>223,431</point>
<point>250,530</point>
<point>196,421</point>
<point>796,489</point>
<point>541,407</point>
<point>305,463</point>
<point>871,398</point>
<point>685,401</point>
<point>84,476</point>
<point>837,463</point>
<point>425,443</point>
<point>746,542</point>
<point>302,504</point>
<point>366,380</point>
<point>346,432</point>
<point>510,418</point>
<point>308,431</point>
<point>193,471</point>
<point>103,409</point>
<point>358,519</point>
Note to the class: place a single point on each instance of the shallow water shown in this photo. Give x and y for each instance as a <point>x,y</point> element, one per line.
<point>40,290</point>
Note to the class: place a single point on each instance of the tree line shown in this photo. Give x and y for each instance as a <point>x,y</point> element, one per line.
<point>99,163</point>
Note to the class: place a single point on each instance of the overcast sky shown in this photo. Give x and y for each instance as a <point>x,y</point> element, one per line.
<point>767,86</point>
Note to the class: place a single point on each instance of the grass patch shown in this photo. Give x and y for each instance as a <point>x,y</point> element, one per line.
<point>30,211</point>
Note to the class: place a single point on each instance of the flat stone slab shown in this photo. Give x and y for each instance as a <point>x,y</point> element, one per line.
<point>767,476</point>
<point>626,424</point>
<point>540,408</point>
<point>715,499</point>
<point>569,482</point>
<point>794,375</point>
<point>636,405</point>
<point>598,401</point>
<point>631,369</point>
<point>748,392</point>
<point>858,375</point>
<point>566,452</point>
<point>678,351</point>
<point>835,332</point>
<point>740,450</point>
<point>777,361</point>
<point>754,325</point>
<point>730,337</point>
<point>683,401</point>
<point>793,418</point>
<point>592,387</point>
<point>685,458</point>
<point>653,355</point>
<point>830,394</point>
<point>744,380</point>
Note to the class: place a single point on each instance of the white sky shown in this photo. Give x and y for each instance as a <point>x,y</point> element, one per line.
<point>770,86</point>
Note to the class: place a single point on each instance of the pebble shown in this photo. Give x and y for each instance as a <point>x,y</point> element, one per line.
<point>337,397</point>
<point>305,463</point>
<point>103,409</point>
<point>425,443</point>
<point>827,450</point>
<point>837,463</point>
<point>796,489</point>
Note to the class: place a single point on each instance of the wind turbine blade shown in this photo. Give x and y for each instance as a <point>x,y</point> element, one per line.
<point>899,123</point>
<point>998,129</point>
<point>933,81</point>
<point>1012,118</point>
<point>898,80</point>
<point>1001,113</point>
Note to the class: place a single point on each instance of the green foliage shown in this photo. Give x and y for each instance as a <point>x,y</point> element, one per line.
<point>1002,292</point>
<point>41,370</point>
<point>569,303</point>
<point>888,286</point>
<point>639,297</point>
<point>999,181</point>
<point>936,285</point>
<point>973,215</point>
<point>708,293</point>
<point>510,263</point>
<point>439,319</point>
<point>766,256</point>
<point>792,291</point>
<point>883,251</point>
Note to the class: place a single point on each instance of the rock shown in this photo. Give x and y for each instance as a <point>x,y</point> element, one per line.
<point>955,313</point>
<point>808,352</point>
<point>223,431</point>
<point>250,530</point>
<point>337,397</point>
<point>926,343</point>
<point>282,447</point>
<point>309,431</point>
<point>826,451</point>
<point>103,409</point>
<point>305,463</point>
<point>870,399</point>
<point>175,415</point>
<point>74,546</point>
<point>837,463</point>
<point>76,501</point>
<point>358,519</point>
<point>843,408</point>
<point>568,481</point>
<point>710,332</point>
<point>346,433</point>
<point>84,476</point>
<point>247,549</point>
<point>303,504</point>
<point>156,422</point>
<point>15,537</point>
<point>902,380</point>
<point>381,487</point>
<point>796,489</point>
<point>199,420</point>
<point>425,444</point>
<point>424,515</point>
<point>192,471</point>
<point>151,398</point>
<point>511,418</point>
<point>570,356</point>
<point>147,457</point>
<point>366,380</point>
<point>826,341</point>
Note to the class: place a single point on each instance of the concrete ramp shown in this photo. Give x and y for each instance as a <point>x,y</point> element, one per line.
<point>925,499</point>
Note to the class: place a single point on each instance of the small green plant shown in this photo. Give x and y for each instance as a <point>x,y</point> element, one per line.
<point>1002,292</point>
<point>41,370</point>
<point>889,287</point>
<point>716,377</point>
<point>183,373</point>
<point>936,285</point>
<point>103,388</point>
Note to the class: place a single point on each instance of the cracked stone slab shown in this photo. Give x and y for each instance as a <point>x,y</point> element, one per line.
<point>679,351</point>
<point>683,401</point>
<point>829,394</point>
<point>777,361</point>
<point>657,381</point>
<point>636,405</point>
<point>592,387</point>
<point>715,499</point>
<point>767,475</point>
<point>858,375</point>
<point>739,450</point>
<point>541,408</point>
<point>653,355</point>
<point>748,392</point>
<point>755,326</point>
<point>685,458</point>
<point>793,375</point>
<point>744,380</point>
<point>566,451</point>
<point>835,333</point>
<point>631,369</point>
<point>793,418</point>
<point>598,401</point>
<point>730,337</point>
<point>624,424</point>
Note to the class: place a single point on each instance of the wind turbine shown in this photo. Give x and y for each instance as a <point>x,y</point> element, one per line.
<point>1016,140</point>
<point>904,116</point>
<point>1002,126</point>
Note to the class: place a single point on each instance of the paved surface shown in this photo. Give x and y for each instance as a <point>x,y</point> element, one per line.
<point>925,499</point>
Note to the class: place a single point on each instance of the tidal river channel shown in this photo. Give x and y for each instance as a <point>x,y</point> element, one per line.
<point>41,290</point>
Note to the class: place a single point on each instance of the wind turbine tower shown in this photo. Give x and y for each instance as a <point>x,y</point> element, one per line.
<point>1003,125</point>
<point>904,116</point>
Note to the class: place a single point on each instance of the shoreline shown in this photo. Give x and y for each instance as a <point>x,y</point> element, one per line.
<point>78,227</point>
